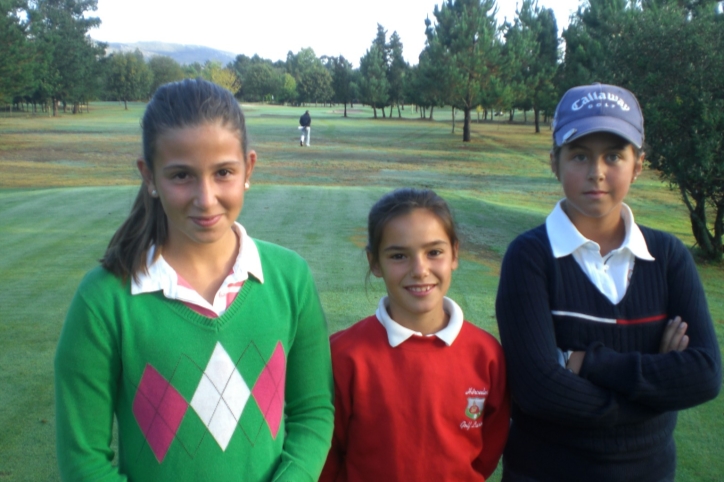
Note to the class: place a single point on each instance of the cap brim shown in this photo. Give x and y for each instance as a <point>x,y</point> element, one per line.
<point>590,125</point>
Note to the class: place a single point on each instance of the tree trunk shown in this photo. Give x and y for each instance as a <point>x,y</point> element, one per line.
<point>383,112</point>
<point>432,107</point>
<point>466,125</point>
<point>512,113</point>
<point>525,116</point>
<point>399,112</point>
<point>345,109</point>
<point>453,120</point>
<point>125,103</point>
<point>374,109</point>
<point>709,245</point>
<point>55,107</point>
<point>536,113</point>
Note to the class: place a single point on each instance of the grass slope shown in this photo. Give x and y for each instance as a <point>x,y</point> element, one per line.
<point>313,200</point>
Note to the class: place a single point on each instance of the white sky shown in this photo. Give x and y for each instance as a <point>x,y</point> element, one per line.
<point>271,28</point>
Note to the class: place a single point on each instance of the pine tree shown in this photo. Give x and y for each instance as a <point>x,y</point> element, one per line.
<point>464,44</point>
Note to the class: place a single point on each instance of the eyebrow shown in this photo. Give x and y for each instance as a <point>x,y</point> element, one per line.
<point>218,165</point>
<point>428,245</point>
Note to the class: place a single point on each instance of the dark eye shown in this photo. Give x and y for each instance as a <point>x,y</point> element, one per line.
<point>180,176</point>
<point>224,173</point>
<point>397,256</point>
<point>435,252</point>
<point>579,158</point>
<point>613,157</point>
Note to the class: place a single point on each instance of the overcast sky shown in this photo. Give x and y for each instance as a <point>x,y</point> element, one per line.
<point>271,28</point>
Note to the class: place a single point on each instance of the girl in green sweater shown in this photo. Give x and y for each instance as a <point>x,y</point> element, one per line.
<point>208,347</point>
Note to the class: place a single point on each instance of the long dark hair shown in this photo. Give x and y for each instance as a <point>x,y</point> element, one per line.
<point>188,103</point>
<point>400,202</point>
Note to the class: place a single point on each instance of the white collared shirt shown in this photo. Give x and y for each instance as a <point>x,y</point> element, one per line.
<point>161,276</point>
<point>611,273</point>
<point>396,333</point>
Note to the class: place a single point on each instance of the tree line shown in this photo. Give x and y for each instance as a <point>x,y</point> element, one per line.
<point>669,52</point>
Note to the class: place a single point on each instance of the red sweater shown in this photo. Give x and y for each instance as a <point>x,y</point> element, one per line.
<point>413,412</point>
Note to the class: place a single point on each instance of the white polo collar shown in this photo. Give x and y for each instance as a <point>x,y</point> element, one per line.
<point>565,238</point>
<point>396,333</point>
<point>160,276</point>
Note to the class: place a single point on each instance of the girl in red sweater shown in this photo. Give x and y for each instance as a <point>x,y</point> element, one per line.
<point>420,393</point>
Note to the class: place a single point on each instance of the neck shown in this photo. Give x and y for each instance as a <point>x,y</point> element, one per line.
<point>203,266</point>
<point>425,323</point>
<point>608,231</point>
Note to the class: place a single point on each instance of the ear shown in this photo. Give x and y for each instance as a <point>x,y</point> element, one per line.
<point>554,165</point>
<point>374,266</point>
<point>250,163</point>
<point>638,166</point>
<point>146,174</point>
<point>455,251</point>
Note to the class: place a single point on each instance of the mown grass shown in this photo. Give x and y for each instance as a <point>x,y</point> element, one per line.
<point>67,183</point>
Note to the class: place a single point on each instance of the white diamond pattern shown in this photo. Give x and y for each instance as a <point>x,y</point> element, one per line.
<point>221,396</point>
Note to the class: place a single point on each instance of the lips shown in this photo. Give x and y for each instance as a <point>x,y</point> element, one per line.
<point>205,221</point>
<point>420,290</point>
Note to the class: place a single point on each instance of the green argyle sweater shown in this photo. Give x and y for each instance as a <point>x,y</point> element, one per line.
<point>245,396</point>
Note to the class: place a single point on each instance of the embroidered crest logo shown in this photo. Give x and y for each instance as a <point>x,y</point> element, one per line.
<point>475,407</point>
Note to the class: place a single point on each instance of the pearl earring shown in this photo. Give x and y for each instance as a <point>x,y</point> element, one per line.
<point>154,193</point>
<point>246,185</point>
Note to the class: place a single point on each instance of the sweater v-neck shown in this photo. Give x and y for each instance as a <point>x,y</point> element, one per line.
<point>579,273</point>
<point>219,322</point>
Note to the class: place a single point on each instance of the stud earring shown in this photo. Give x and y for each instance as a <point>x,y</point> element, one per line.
<point>246,185</point>
<point>154,193</point>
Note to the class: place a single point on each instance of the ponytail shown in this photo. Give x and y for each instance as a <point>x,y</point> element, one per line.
<point>145,226</point>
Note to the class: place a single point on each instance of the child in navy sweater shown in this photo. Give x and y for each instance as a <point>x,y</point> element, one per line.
<point>604,323</point>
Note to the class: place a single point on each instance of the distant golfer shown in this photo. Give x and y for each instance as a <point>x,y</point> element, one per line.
<point>305,125</point>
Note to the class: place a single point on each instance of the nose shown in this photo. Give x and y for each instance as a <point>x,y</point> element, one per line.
<point>205,194</point>
<point>420,267</point>
<point>597,168</point>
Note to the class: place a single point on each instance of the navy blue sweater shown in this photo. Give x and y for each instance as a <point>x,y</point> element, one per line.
<point>615,420</point>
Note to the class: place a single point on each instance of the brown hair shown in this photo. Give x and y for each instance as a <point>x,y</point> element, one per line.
<point>188,103</point>
<point>400,202</point>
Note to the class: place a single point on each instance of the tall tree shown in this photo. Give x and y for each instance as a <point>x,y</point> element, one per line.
<point>315,85</point>
<point>287,90</point>
<point>464,43</point>
<point>262,82</point>
<point>341,81</point>
<point>536,31</point>
<point>307,69</point>
<point>222,76</point>
<point>429,85</point>
<point>374,88</point>
<point>16,56</point>
<point>128,77</point>
<point>397,72</point>
<point>163,70</point>
<point>381,42</point>
<point>590,40</point>
<point>672,56</point>
<point>66,57</point>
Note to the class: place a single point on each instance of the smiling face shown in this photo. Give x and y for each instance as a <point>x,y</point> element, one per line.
<point>416,261</point>
<point>199,174</point>
<point>596,172</point>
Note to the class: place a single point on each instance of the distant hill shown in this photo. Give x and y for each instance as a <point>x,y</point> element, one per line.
<point>183,54</point>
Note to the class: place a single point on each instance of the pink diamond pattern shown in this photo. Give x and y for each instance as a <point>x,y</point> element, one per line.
<point>269,389</point>
<point>158,409</point>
